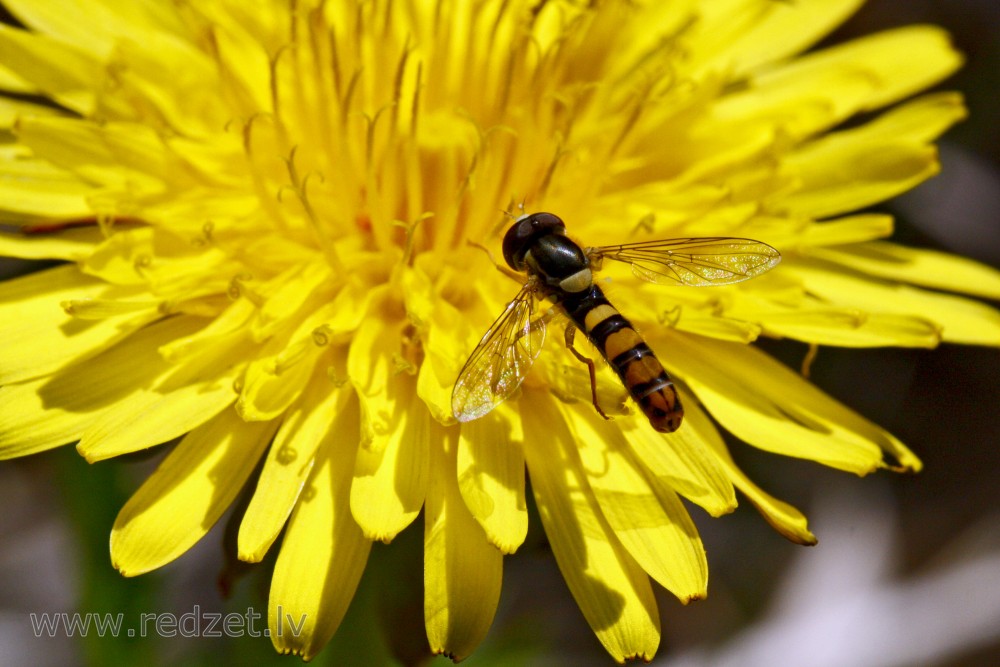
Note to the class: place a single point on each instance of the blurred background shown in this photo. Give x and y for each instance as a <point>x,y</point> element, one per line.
<point>907,571</point>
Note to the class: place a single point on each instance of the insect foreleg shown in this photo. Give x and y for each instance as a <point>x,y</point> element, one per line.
<point>513,275</point>
<point>570,334</point>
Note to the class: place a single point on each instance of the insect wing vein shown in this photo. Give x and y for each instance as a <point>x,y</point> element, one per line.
<point>500,362</point>
<point>693,262</point>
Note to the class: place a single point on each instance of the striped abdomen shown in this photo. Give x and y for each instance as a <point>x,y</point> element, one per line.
<point>636,365</point>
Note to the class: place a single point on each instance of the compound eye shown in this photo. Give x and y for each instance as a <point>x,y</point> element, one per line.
<point>515,242</point>
<point>523,233</point>
<point>547,222</point>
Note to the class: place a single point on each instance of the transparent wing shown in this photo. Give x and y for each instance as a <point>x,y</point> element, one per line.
<point>500,362</point>
<point>694,262</point>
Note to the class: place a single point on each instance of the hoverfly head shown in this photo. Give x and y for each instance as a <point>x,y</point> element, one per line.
<point>523,233</point>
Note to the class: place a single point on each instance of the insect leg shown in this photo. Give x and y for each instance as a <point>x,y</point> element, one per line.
<point>537,324</point>
<point>570,334</point>
<point>513,275</point>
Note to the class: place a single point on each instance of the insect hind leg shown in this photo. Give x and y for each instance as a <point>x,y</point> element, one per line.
<point>570,335</point>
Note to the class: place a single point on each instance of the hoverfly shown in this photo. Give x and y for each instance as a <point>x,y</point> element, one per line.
<point>560,270</point>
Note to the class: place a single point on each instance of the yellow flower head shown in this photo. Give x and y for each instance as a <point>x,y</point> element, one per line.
<point>266,212</point>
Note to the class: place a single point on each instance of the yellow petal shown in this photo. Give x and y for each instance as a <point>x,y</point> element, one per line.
<point>11,82</point>
<point>442,327</point>
<point>123,257</point>
<point>961,320</point>
<point>921,120</point>
<point>462,570</point>
<point>853,329</point>
<point>853,168</point>
<point>809,319</point>
<point>182,500</point>
<point>181,272</point>
<point>785,519</point>
<point>723,328</point>
<point>609,586</point>
<point>229,323</point>
<point>122,156</point>
<point>100,309</point>
<point>172,266</point>
<point>491,476</point>
<point>819,90</point>
<point>437,374</point>
<point>695,313</point>
<point>62,72</point>
<point>390,477</point>
<point>11,109</point>
<point>839,174</point>
<point>241,58</point>
<point>138,151</point>
<point>57,409</point>
<point>27,426</point>
<point>278,374</point>
<point>32,189</point>
<point>92,24</point>
<point>645,514</point>
<point>39,337</point>
<point>322,556</point>
<point>930,268</point>
<point>683,462</point>
<point>182,399</point>
<point>167,70</point>
<point>768,405</point>
<point>304,284</point>
<point>850,229</point>
<point>717,25</point>
<point>369,365</point>
<point>787,29</point>
<point>899,63</point>
<point>320,416</point>
<point>276,377</point>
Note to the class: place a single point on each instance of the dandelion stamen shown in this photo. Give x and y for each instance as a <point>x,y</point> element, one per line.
<point>320,232</point>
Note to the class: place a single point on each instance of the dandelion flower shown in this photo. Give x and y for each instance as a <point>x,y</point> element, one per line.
<point>265,214</point>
